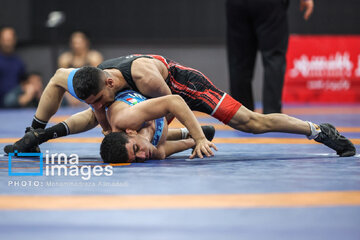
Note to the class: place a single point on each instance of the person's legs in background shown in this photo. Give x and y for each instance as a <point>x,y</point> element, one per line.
<point>271,23</point>
<point>241,49</point>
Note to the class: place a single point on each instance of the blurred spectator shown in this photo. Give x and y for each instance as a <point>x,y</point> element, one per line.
<point>12,68</point>
<point>80,55</point>
<point>27,94</point>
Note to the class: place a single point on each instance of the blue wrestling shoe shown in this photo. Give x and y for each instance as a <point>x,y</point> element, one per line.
<point>334,140</point>
<point>27,144</point>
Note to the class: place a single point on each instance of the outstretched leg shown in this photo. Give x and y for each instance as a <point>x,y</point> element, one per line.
<point>252,122</point>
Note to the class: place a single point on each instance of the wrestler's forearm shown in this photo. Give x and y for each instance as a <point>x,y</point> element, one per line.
<point>182,112</point>
<point>171,147</point>
<point>102,120</point>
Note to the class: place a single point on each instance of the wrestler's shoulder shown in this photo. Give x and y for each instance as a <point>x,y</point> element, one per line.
<point>63,72</point>
<point>148,64</point>
<point>143,60</point>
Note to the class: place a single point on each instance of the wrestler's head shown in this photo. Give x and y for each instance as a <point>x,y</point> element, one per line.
<point>125,147</point>
<point>94,86</point>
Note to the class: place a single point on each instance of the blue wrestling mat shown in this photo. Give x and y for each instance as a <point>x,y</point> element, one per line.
<point>269,186</point>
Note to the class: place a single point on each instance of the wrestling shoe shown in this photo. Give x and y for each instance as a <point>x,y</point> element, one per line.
<point>209,132</point>
<point>333,139</point>
<point>29,143</point>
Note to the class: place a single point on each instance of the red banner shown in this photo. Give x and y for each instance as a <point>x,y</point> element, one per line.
<point>323,69</point>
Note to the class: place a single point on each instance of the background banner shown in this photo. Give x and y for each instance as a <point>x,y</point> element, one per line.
<point>323,69</point>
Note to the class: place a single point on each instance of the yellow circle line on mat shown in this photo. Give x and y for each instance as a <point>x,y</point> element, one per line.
<point>265,200</point>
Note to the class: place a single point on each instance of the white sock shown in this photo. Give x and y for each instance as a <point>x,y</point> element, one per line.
<point>315,130</point>
<point>184,133</point>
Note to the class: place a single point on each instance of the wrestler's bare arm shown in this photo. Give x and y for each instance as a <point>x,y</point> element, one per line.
<point>171,147</point>
<point>149,75</point>
<point>134,117</point>
<point>51,99</point>
<point>52,96</point>
<point>100,115</point>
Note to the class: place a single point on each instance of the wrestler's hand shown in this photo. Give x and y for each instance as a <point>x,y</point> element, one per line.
<point>203,146</point>
<point>100,115</point>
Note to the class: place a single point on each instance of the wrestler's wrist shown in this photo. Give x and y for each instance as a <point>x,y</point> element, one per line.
<point>199,139</point>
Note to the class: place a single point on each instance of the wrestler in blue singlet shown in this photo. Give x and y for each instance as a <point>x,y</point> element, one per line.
<point>131,97</point>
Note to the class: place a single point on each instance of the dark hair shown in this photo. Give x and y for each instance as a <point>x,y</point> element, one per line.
<point>113,150</point>
<point>87,82</point>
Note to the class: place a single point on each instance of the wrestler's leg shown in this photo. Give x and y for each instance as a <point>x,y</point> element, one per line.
<point>248,121</point>
<point>206,97</point>
<point>81,122</point>
<point>182,133</point>
<point>209,99</point>
<point>174,134</point>
<point>77,123</point>
<point>252,122</point>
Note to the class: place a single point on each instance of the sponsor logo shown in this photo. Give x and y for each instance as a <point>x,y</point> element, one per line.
<point>338,65</point>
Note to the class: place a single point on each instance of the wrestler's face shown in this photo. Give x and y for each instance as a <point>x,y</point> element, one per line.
<point>106,95</point>
<point>103,99</point>
<point>139,148</point>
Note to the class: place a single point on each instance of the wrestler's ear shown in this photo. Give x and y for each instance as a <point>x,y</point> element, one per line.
<point>130,131</point>
<point>109,82</point>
